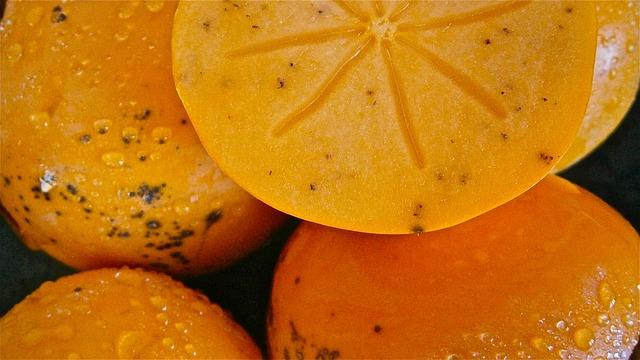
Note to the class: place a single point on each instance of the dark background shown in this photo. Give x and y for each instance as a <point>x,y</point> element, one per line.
<point>611,172</point>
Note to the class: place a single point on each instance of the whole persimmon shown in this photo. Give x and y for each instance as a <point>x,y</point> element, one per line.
<point>553,273</point>
<point>615,80</point>
<point>100,163</point>
<point>120,314</point>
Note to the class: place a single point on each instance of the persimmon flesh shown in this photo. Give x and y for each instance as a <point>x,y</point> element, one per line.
<point>551,274</point>
<point>385,117</point>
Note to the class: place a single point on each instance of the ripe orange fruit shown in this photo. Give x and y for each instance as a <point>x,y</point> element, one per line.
<point>385,117</point>
<point>553,273</point>
<point>100,164</point>
<point>616,77</point>
<point>120,314</point>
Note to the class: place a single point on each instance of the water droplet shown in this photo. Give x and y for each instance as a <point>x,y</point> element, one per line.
<point>129,134</point>
<point>47,182</point>
<point>561,325</point>
<point>128,277</point>
<point>121,36</point>
<point>161,135</point>
<point>628,320</point>
<point>564,354</point>
<point>613,73</point>
<point>180,327</point>
<point>154,156</point>
<point>102,126</point>
<point>583,338</point>
<point>129,344</point>
<point>34,15</point>
<point>113,159</point>
<point>127,9</point>
<point>154,6</point>
<point>163,318</point>
<point>33,337</point>
<point>453,357</point>
<point>603,319</point>
<point>159,302</point>
<point>168,342</point>
<point>606,295</point>
<point>63,332</point>
<point>190,349</point>
<point>538,343</point>
<point>39,119</point>
<point>14,53</point>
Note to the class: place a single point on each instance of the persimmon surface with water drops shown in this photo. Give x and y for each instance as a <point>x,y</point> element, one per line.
<point>385,117</point>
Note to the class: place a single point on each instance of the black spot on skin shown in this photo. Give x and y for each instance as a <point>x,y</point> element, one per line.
<point>417,210</point>
<point>313,187</point>
<point>439,176</point>
<point>124,234</point>
<point>183,121</point>
<point>205,25</point>
<point>417,229</point>
<point>142,157</point>
<point>53,241</point>
<point>26,208</point>
<point>213,217</point>
<point>280,83</point>
<point>148,193</point>
<point>144,115</point>
<point>377,328</point>
<point>85,139</point>
<point>255,27</point>
<point>545,99</point>
<point>504,136</point>
<point>548,159</point>
<point>153,224</point>
<point>569,10</point>
<point>57,15</point>
<point>328,156</point>
<point>149,245</point>
<point>7,181</point>
<point>292,65</point>
<point>182,235</point>
<point>296,280</point>
<point>464,178</point>
<point>138,215</point>
<point>295,336</point>
<point>487,41</point>
<point>179,257</point>
<point>506,30</point>
<point>159,265</point>
<point>72,189</point>
<point>270,172</point>
<point>326,354</point>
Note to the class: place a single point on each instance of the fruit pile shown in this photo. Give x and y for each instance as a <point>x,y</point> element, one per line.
<point>416,142</point>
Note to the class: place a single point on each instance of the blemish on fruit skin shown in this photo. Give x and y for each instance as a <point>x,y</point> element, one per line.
<point>548,159</point>
<point>377,328</point>
<point>213,217</point>
<point>417,229</point>
<point>153,224</point>
<point>280,83</point>
<point>58,15</point>
<point>144,115</point>
<point>313,187</point>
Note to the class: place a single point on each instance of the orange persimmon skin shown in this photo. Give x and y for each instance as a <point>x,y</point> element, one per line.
<point>551,273</point>
<point>100,164</point>
<point>120,314</point>
<point>616,77</point>
<point>378,117</point>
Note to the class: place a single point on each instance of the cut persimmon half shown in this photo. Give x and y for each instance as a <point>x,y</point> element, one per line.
<point>615,80</point>
<point>385,117</point>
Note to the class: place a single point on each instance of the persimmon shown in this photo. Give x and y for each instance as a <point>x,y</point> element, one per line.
<point>100,163</point>
<point>616,77</point>
<point>553,273</point>
<point>120,314</point>
<point>385,117</point>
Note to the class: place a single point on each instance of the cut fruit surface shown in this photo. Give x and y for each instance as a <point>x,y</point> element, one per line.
<point>615,80</point>
<point>385,117</point>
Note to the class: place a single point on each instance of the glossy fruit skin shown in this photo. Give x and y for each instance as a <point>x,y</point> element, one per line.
<point>120,314</point>
<point>100,164</point>
<point>551,273</point>
<point>492,99</point>
<point>616,77</point>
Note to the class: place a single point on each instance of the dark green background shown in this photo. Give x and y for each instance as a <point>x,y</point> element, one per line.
<point>612,172</point>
